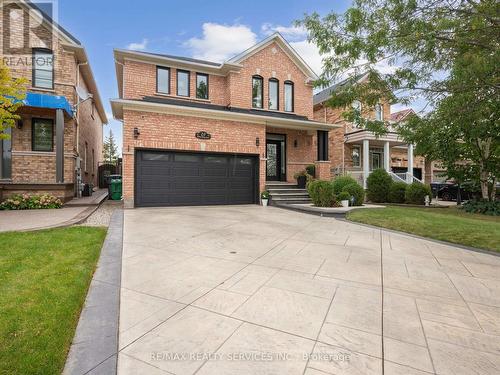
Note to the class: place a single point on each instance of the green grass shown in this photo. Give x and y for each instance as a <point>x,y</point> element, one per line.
<point>44,278</point>
<point>445,224</point>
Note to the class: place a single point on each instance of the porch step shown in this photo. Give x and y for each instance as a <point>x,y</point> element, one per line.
<point>281,185</point>
<point>290,200</point>
<point>286,191</point>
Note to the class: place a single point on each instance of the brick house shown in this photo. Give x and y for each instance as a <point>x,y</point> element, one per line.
<point>197,132</point>
<point>358,151</point>
<point>57,143</point>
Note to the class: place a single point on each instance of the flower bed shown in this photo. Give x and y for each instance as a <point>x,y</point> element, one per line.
<point>30,202</point>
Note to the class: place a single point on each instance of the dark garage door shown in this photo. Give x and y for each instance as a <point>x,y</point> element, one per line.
<point>169,178</point>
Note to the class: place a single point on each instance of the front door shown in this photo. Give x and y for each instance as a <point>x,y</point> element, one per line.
<point>274,160</point>
<point>6,155</point>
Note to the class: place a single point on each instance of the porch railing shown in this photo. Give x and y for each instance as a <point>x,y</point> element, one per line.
<point>398,177</point>
<point>405,177</point>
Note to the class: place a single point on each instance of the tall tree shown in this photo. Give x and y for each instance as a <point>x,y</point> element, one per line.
<point>12,92</point>
<point>110,149</point>
<point>445,51</point>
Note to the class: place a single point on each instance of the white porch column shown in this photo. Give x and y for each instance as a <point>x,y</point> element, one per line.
<point>366,160</point>
<point>409,175</point>
<point>387,156</point>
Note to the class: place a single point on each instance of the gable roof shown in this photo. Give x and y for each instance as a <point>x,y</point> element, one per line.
<point>402,115</point>
<point>325,94</point>
<point>285,46</point>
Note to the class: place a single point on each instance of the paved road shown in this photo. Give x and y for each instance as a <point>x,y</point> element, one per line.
<point>253,290</point>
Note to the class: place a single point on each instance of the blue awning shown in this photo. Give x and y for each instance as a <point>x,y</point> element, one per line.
<point>48,101</point>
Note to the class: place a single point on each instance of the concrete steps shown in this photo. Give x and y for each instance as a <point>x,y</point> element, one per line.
<point>286,193</point>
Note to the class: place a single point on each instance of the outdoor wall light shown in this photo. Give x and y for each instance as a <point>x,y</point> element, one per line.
<point>295,143</point>
<point>136,133</point>
<point>257,142</point>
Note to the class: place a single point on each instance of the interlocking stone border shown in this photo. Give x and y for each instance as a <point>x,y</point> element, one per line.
<point>94,349</point>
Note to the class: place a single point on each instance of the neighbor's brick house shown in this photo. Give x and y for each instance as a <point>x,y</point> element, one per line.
<point>198,132</point>
<point>357,152</point>
<point>58,130</point>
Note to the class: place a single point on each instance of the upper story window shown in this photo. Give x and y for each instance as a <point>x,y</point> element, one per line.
<point>379,112</point>
<point>43,68</point>
<point>182,83</point>
<point>356,105</point>
<point>356,156</point>
<point>257,92</point>
<point>162,80</point>
<point>201,86</point>
<point>273,94</point>
<point>42,134</point>
<point>289,96</point>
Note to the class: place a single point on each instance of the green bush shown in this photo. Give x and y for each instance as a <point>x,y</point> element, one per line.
<point>311,170</point>
<point>397,192</point>
<point>344,196</point>
<point>481,206</point>
<point>356,191</point>
<point>416,192</point>
<point>321,193</point>
<point>340,182</point>
<point>378,185</point>
<point>30,202</point>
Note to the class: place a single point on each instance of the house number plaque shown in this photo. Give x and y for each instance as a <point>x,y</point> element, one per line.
<point>203,135</point>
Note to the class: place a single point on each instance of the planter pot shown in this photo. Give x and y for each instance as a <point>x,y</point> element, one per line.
<point>301,182</point>
<point>345,203</point>
<point>265,202</point>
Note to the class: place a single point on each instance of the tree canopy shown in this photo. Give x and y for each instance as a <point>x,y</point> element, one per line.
<point>12,92</point>
<point>110,149</point>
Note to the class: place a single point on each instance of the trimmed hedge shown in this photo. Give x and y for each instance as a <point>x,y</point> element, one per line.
<point>344,196</point>
<point>397,192</point>
<point>356,191</point>
<point>378,186</point>
<point>321,193</point>
<point>339,183</point>
<point>481,206</point>
<point>416,192</point>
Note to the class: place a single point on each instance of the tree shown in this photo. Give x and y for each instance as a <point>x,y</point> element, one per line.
<point>12,93</point>
<point>445,51</point>
<point>110,149</point>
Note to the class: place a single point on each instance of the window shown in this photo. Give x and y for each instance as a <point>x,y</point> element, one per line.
<point>201,86</point>
<point>162,80</point>
<point>257,93</point>
<point>42,135</point>
<point>274,94</point>
<point>356,105</point>
<point>379,112</point>
<point>43,68</point>
<point>85,157</point>
<point>93,162</point>
<point>182,83</point>
<point>288,96</point>
<point>356,156</point>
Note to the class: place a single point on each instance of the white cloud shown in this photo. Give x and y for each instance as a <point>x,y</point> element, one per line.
<point>141,46</point>
<point>289,32</point>
<point>310,53</point>
<point>220,42</point>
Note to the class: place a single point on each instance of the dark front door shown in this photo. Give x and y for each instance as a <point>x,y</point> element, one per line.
<point>274,160</point>
<point>6,155</point>
<point>169,178</point>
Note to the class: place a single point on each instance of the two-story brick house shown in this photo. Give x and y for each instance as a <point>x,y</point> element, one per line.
<point>198,132</point>
<point>357,151</point>
<point>56,145</point>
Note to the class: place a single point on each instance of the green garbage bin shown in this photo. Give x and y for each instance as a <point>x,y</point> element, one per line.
<point>115,189</point>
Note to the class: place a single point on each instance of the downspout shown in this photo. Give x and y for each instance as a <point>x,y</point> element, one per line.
<point>78,108</point>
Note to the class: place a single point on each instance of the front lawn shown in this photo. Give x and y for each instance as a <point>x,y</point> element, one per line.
<point>446,224</point>
<point>44,277</point>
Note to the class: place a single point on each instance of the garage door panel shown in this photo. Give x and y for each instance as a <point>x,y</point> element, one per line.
<point>169,178</point>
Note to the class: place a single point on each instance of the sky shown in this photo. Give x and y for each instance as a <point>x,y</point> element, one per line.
<point>213,30</point>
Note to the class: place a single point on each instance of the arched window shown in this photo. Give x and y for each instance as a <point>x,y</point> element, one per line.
<point>274,96</point>
<point>379,112</point>
<point>257,91</point>
<point>288,96</point>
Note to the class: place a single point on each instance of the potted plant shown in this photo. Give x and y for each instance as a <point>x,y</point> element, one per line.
<point>301,178</point>
<point>264,197</point>
<point>344,198</point>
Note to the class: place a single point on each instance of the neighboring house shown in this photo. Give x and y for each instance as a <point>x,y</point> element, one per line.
<point>57,144</point>
<point>362,151</point>
<point>197,132</point>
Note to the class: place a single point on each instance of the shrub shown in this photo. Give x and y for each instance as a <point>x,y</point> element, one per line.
<point>30,202</point>
<point>378,185</point>
<point>340,182</point>
<point>397,192</point>
<point>264,194</point>
<point>481,206</point>
<point>356,191</point>
<point>311,170</point>
<point>344,196</point>
<point>321,193</point>
<point>416,192</point>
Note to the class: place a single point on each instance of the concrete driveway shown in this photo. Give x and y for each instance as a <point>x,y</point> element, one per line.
<point>252,290</point>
